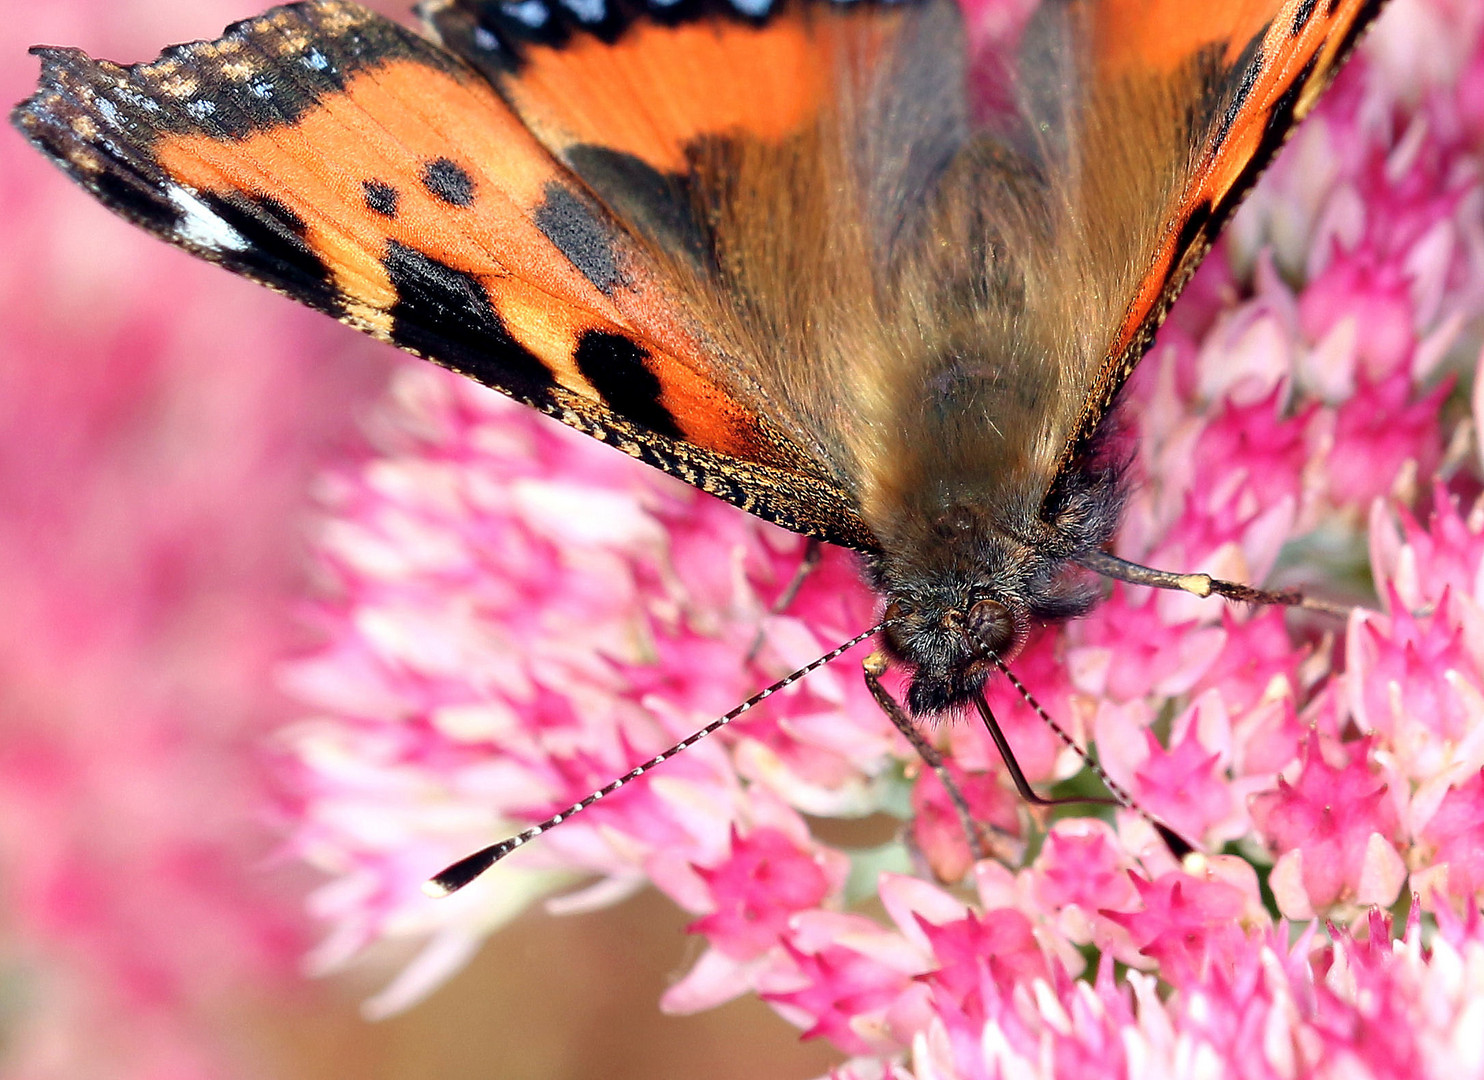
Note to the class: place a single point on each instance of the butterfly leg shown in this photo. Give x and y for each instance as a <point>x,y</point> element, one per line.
<point>813,553</point>
<point>875,667</point>
<point>1177,844</point>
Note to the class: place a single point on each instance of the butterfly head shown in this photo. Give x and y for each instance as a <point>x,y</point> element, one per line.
<point>971,586</point>
<point>949,645</point>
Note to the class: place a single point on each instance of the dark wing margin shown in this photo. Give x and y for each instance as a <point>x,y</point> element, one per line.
<point>342,160</point>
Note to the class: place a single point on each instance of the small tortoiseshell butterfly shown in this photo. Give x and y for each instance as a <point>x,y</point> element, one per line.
<point>868,269</point>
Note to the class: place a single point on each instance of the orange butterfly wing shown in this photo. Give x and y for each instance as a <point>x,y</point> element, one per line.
<point>652,87</point>
<point>657,224</point>
<point>334,156</point>
<point>1276,58</point>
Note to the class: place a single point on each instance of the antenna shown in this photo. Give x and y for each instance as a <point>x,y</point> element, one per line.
<point>1121,797</point>
<point>1111,566</point>
<point>1176,843</point>
<point>467,869</point>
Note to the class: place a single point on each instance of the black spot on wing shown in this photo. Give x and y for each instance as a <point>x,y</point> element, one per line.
<point>615,367</point>
<point>448,182</point>
<point>580,234</point>
<point>136,200</point>
<point>657,204</point>
<point>446,314</point>
<point>274,248</point>
<point>380,198</point>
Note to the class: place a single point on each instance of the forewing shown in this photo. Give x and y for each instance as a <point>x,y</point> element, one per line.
<point>1237,78</point>
<point>335,156</point>
<point>935,249</point>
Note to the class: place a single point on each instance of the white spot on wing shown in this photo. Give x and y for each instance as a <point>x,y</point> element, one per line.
<point>199,225</point>
<point>588,11</point>
<point>532,13</point>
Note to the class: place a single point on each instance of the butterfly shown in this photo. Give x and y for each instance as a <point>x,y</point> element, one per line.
<point>873,270</point>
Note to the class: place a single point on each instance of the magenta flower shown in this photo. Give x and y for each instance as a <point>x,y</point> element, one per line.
<point>1187,926</point>
<point>1183,786</point>
<point>1001,942</point>
<point>1335,831</point>
<point>1082,866</point>
<point>1455,832</point>
<point>764,881</point>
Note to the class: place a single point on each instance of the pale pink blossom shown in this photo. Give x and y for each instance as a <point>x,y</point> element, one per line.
<point>1455,835</point>
<point>160,427</point>
<point>1364,1006</point>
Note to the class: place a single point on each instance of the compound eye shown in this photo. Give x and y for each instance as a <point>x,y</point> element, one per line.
<point>992,623</point>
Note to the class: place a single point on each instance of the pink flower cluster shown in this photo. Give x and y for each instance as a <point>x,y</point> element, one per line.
<point>1333,1003</point>
<point>516,616</point>
<point>153,482</point>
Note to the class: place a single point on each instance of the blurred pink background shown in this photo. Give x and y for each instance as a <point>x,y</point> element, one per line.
<point>160,424</point>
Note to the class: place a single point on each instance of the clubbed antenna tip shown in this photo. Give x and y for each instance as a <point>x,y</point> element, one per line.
<point>455,877</point>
